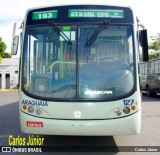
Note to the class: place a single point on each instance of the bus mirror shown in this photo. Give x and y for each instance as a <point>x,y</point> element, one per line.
<point>144,44</point>
<point>17,29</point>
<point>15,45</point>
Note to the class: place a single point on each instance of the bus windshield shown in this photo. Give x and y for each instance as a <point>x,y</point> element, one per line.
<point>58,70</point>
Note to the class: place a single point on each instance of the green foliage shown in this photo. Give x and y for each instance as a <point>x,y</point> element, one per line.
<point>6,55</point>
<point>3,47</point>
<point>153,56</point>
<point>155,45</point>
<point>0,59</point>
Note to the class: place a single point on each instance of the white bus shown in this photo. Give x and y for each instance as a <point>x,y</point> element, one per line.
<point>151,77</point>
<point>79,71</point>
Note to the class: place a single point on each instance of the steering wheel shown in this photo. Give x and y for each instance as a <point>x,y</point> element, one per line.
<point>109,58</point>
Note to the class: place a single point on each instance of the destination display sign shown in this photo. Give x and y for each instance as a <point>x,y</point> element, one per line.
<point>96,14</point>
<point>44,15</point>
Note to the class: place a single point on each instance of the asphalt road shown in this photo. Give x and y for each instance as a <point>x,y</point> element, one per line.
<point>149,136</point>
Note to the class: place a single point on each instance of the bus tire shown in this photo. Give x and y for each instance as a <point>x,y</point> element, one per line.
<point>149,93</point>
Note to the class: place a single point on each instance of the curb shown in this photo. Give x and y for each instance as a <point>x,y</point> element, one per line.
<point>8,90</point>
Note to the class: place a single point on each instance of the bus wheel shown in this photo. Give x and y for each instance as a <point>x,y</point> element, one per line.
<point>149,93</point>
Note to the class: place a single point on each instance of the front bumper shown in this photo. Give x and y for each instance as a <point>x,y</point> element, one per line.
<point>121,126</point>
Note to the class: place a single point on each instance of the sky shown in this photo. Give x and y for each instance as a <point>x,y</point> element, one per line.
<point>12,11</point>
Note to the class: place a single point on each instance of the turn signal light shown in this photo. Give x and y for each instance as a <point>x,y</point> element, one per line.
<point>24,107</point>
<point>133,107</point>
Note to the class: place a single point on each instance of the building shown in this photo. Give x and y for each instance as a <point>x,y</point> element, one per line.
<point>9,73</point>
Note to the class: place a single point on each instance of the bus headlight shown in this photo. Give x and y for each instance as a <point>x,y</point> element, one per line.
<point>30,109</point>
<point>39,111</point>
<point>118,111</point>
<point>126,110</point>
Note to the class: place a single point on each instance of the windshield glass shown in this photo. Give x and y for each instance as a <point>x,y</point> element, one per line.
<point>52,68</point>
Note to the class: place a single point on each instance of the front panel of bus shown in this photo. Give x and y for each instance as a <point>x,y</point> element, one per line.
<point>79,71</point>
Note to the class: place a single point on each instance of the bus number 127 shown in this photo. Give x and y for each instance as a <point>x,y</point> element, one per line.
<point>128,102</point>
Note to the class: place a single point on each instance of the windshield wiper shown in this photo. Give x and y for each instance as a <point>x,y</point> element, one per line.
<point>59,32</point>
<point>96,32</point>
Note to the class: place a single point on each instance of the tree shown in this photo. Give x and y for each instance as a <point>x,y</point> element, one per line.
<point>3,47</point>
<point>155,45</point>
<point>153,56</point>
<point>0,59</point>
